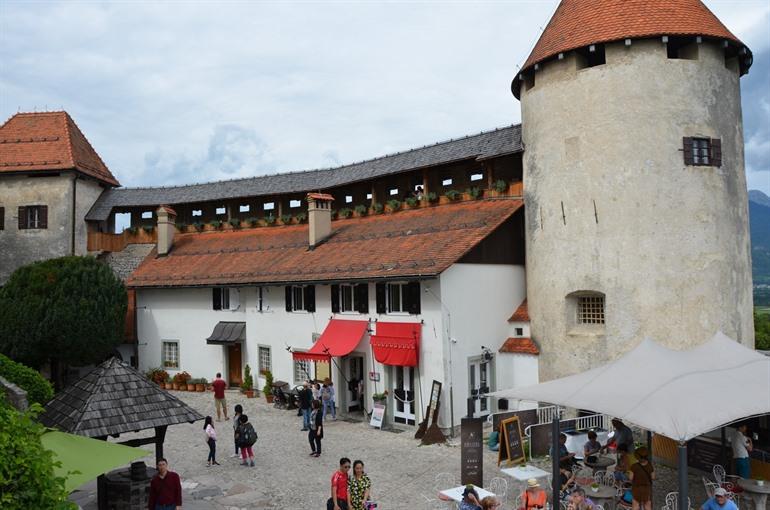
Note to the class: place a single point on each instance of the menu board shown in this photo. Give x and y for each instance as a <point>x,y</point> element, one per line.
<point>472,451</point>
<point>435,394</point>
<point>378,413</point>
<point>511,443</point>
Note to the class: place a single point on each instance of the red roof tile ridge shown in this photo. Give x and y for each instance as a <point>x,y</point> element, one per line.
<point>104,172</point>
<point>520,345</point>
<point>521,314</point>
<point>68,131</point>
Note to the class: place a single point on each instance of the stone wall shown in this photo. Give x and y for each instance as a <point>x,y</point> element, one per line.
<point>16,396</point>
<point>612,208</point>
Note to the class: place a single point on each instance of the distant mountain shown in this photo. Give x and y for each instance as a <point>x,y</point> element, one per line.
<point>759,225</point>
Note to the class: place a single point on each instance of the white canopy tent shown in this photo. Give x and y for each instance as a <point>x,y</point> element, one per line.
<point>679,394</point>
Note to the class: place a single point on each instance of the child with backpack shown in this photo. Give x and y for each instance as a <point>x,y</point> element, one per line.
<point>245,437</point>
<point>236,423</point>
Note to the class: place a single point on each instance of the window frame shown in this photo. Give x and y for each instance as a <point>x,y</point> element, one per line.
<point>164,361</point>
<point>389,297</point>
<point>304,374</point>
<point>40,216</point>
<point>224,298</point>
<point>702,151</point>
<point>261,349</point>
<point>300,294</point>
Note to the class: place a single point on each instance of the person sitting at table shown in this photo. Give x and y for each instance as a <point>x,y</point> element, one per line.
<point>592,447</point>
<point>565,457</point>
<point>566,480</point>
<point>470,499</point>
<point>720,501</point>
<point>534,496</point>
<point>490,503</point>
<point>578,500</point>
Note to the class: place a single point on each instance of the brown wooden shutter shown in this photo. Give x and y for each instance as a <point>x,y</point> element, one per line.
<point>687,144</point>
<point>381,298</point>
<point>413,298</point>
<point>289,300</point>
<point>309,298</point>
<point>361,292</point>
<point>716,152</point>
<point>335,299</point>
<point>2,218</point>
<point>22,218</point>
<point>43,216</point>
<point>216,298</point>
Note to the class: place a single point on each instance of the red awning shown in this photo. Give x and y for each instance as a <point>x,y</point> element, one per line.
<point>397,343</point>
<point>338,339</point>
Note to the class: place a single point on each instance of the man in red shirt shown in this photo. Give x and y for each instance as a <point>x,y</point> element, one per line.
<point>219,386</point>
<point>339,499</point>
<point>165,489</point>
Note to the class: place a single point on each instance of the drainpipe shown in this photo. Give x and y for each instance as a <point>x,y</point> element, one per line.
<point>74,214</point>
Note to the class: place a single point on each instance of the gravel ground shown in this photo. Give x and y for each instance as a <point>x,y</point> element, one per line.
<point>403,473</point>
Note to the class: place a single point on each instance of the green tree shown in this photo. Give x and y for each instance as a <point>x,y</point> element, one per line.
<point>69,310</point>
<point>26,473</point>
<point>762,331</point>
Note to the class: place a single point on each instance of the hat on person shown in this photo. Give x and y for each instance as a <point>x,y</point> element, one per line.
<point>532,483</point>
<point>720,492</point>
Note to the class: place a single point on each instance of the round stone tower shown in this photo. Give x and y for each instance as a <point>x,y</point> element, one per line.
<point>636,201</point>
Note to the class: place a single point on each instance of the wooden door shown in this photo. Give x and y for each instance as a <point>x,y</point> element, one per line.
<point>235,377</point>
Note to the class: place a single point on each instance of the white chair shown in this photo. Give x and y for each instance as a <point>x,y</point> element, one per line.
<point>672,501</point>
<point>598,507</point>
<point>445,481</point>
<point>709,486</point>
<point>499,487</point>
<point>599,477</point>
<point>723,479</point>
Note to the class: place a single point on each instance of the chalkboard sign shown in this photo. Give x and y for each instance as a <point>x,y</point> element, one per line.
<point>703,454</point>
<point>435,394</point>
<point>511,443</point>
<point>472,451</point>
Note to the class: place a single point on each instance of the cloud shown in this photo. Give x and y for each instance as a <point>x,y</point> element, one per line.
<point>755,90</point>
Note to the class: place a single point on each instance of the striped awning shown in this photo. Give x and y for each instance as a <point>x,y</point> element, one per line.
<point>227,333</point>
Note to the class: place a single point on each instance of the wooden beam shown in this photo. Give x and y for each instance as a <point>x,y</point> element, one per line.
<point>160,437</point>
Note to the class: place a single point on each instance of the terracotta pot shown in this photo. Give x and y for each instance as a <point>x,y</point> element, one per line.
<point>249,393</point>
<point>175,386</point>
<point>269,399</point>
<point>183,387</point>
<point>200,387</point>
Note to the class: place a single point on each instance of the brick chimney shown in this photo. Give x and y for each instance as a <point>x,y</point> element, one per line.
<point>319,215</point>
<point>166,229</point>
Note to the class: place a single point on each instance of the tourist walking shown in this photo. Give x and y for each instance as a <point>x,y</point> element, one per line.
<point>246,436</point>
<point>316,391</point>
<point>339,488</point>
<point>165,489</point>
<point>641,474</point>
<point>211,440</point>
<point>218,386</point>
<point>316,431</point>
<point>236,422</point>
<point>742,446</point>
<point>305,399</point>
<point>359,487</point>
<point>327,398</point>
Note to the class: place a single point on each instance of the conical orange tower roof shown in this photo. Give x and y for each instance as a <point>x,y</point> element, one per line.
<point>580,23</point>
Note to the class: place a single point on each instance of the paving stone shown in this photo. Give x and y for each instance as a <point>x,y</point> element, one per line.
<point>206,492</point>
<point>238,488</point>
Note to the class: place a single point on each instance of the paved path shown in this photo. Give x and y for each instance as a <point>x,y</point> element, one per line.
<point>285,477</point>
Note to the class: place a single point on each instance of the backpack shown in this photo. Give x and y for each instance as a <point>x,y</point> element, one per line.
<point>248,436</point>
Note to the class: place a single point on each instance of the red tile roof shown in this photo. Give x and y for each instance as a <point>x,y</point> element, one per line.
<point>579,23</point>
<point>320,196</point>
<point>410,243</point>
<point>49,141</point>
<point>521,314</point>
<point>520,346</point>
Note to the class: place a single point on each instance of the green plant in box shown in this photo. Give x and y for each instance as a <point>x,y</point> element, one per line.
<point>215,224</point>
<point>198,225</point>
<point>252,222</point>
<point>378,207</point>
<point>234,222</point>
<point>269,220</point>
<point>452,194</point>
<point>394,205</point>
<point>148,228</point>
<point>361,210</point>
<point>286,219</point>
<point>345,212</point>
<point>131,230</point>
<point>412,201</point>
<point>501,186</point>
<point>475,193</point>
<point>432,196</point>
<point>301,217</point>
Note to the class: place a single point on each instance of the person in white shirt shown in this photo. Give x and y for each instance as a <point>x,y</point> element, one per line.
<point>741,448</point>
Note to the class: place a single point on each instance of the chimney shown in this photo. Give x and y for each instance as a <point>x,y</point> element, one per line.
<point>166,228</point>
<point>319,215</point>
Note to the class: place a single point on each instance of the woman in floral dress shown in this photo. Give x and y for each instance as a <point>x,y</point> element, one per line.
<point>358,487</point>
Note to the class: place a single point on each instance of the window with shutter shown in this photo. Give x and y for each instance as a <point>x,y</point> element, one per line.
<point>22,218</point>
<point>687,150</point>
<point>702,151</point>
<point>716,152</point>
<point>42,216</point>
<point>346,298</point>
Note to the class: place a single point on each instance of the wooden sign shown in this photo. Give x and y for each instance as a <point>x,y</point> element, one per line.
<point>511,442</point>
<point>472,451</point>
<point>431,412</point>
<point>378,414</point>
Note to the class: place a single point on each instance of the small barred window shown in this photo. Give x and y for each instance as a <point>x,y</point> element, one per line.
<point>590,310</point>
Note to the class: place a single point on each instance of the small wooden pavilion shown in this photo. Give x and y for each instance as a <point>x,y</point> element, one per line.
<point>114,399</point>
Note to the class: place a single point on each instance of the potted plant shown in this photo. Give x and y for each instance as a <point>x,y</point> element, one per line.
<point>268,387</point>
<point>215,224</point>
<point>181,226</point>
<point>501,186</point>
<point>394,205</point>
<point>269,220</point>
<point>453,194</point>
<point>378,207</point>
<point>199,225</point>
<point>432,197</point>
<point>169,383</point>
<point>595,487</point>
<point>180,381</point>
<point>252,222</point>
<point>234,222</point>
<point>412,201</point>
<point>148,228</point>
<point>200,384</point>
<point>157,375</point>
<point>301,217</point>
<point>247,385</point>
<point>286,219</point>
<point>345,212</point>
<point>474,193</point>
<point>380,398</point>
<point>361,210</point>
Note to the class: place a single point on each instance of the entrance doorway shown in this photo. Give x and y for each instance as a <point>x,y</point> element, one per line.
<point>355,383</point>
<point>403,395</point>
<point>478,380</point>
<point>234,360</point>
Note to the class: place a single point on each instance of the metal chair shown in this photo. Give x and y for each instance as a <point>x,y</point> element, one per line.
<point>721,477</point>
<point>709,486</point>
<point>672,501</point>
<point>598,507</point>
<point>445,481</point>
<point>499,487</point>
<point>599,477</point>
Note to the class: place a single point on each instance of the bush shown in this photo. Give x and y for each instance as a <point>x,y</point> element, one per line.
<point>248,381</point>
<point>432,196</point>
<point>269,219</point>
<point>452,194</point>
<point>253,222</point>
<point>215,224</point>
<point>148,228</point>
<point>345,212</point>
<point>501,186</point>
<point>286,219</point>
<point>301,217</point>
<point>378,208</point>
<point>475,193</point>
<point>234,222</point>
<point>39,391</point>
<point>26,474</point>
<point>394,205</point>
<point>762,331</point>
<point>412,201</point>
<point>361,210</point>
<point>198,225</point>
<point>268,388</point>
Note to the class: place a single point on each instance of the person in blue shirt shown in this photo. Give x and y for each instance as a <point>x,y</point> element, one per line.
<point>720,501</point>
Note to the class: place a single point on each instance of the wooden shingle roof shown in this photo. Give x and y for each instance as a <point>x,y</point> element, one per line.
<point>112,399</point>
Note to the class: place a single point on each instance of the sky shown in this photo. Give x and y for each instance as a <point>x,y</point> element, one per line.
<point>181,92</point>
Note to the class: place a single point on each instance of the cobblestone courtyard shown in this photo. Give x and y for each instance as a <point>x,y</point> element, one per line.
<point>285,477</point>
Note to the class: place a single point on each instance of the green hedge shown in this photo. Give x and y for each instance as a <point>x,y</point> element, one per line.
<point>26,473</point>
<point>38,389</point>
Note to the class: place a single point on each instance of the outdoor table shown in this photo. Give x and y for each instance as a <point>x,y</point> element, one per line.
<point>601,463</point>
<point>524,473</point>
<point>758,493</point>
<point>605,495</point>
<point>456,493</point>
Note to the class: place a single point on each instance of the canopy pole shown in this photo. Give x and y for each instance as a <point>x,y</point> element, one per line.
<point>649,456</point>
<point>556,479</point>
<point>683,499</point>
<point>722,449</point>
